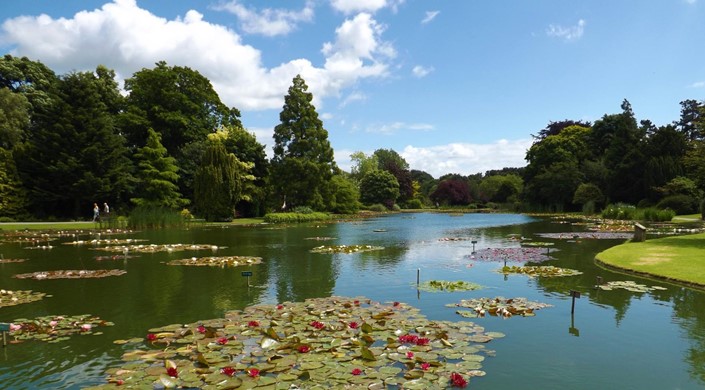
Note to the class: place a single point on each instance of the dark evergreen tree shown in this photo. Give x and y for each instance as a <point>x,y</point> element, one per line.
<point>303,164</point>
<point>157,176</point>
<point>12,196</point>
<point>76,156</point>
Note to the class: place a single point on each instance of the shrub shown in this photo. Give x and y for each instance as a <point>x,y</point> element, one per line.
<point>702,209</point>
<point>7,219</point>
<point>414,204</point>
<point>589,208</point>
<point>619,211</point>
<point>302,210</point>
<point>379,208</point>
<point>654,214</point>
<point>295,217</point>
<point>681,204</point>
<point>146,217</point>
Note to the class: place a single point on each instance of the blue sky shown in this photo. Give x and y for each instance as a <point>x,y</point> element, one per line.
<point>453,86</point>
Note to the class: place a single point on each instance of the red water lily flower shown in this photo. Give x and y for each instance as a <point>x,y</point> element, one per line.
<point>279,307</point>
<point>396,304</point>
<point>422,341</point>
<point>408,338</point>
<point>253,324</point>
<point>253,372</point>
<point>317,324</point>
<point>353,325</point>
<point>119,382</point>
<point>356,302</point>
<point>151,336</point>
<point>201,329</point>
<point>304,348</point>
<point>229,371</point>
<point>356,371</point>
<point>410,355</point>
<point>425,366</point>
<point>457,380</point>
<point>172,372</point>
<point>223,340</point>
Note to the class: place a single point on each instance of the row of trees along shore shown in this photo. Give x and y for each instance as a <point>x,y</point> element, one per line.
<point>67,141</point>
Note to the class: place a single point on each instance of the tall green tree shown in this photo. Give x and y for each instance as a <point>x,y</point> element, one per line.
<point>390,161</point>
<point>14,118</point>
<point>220,180</point>
<point>157,176</point>
<point>181,105</point>
<point>302,165</point>
<point>12,196</point>
<point>75,155</point>
<point>32,79</point>
<point>379,186</point>
<point>244,145</point>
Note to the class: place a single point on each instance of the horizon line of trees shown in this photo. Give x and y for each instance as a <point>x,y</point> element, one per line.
<point>71,140</point>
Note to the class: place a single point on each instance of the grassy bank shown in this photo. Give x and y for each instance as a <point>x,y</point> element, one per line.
<point>680,258</point>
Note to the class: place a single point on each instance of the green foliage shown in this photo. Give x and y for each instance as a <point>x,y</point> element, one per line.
<point>345,197</point>
<point>414,204</point>
<point>587,193</point>
<point>379,187</point>
<point>654,214</point>
<point>12,194</point>
<point>295,217</point>
<point>501,188</point>
<point>302,165</point>
<point>157,176</point>
<point>76,154</point>
<point>154,217</point>
<point>219,182</point>
<point>619,211</point>
<point>14,118</point>
<point>244,145</point>
<point>377,207</point>
<point>681,204</point>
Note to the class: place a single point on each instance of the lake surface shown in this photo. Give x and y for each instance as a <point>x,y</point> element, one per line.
<point>615,340</point>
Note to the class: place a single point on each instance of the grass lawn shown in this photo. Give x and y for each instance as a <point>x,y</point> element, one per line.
<point>680,258</point>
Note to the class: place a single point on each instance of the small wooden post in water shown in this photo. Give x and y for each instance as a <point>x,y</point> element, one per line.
<point>418,276</point>
<point>4,328</point>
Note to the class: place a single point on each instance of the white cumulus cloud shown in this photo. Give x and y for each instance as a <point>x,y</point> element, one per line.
<point>268,22</point>
<point>466,158</point>
<point>570,33</point>
<point>421,71</point>
<point>127,38</point>
<point>396,127</point>
<point>372,6</point>
<point>430,15</point>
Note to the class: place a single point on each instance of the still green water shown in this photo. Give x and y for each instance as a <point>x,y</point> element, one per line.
<point>615,340</point>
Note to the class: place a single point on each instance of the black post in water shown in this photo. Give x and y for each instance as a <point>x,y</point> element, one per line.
<point>473,245</point>
<point>574,294</point>
<point>4,328</point>
<point>418,276</point>
<point>248,274</point>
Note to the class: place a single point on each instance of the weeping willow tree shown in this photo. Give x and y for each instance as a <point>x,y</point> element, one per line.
<point>220,181</point>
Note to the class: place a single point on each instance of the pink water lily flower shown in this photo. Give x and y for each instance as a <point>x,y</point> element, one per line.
<point>14,327</point>
<point>53,323</point>
<point>86,327</point>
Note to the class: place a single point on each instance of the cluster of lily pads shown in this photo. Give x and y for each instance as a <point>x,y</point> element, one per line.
<point>530,254</point>
<point>448,286</point>
<point>154,248</point>
<point>588,235</point>
<point>320,238</point>
<point>498,306</point>
<point>330,342</point>
<point>537,270</point>
<point>5,261</point>
<point>71,274</point>
<point>108,241</point>
<point>453,239</point>
<point>629,285</point>
<point>221,261</point>
<point>55,328</point>
<point>345,249</point>
<point>17,297</point>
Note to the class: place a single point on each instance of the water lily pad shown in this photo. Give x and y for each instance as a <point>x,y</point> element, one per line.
<point>17,297</point>
<point>55,328</point>
<point>532,254</point>
<point>5,261</point>
<point>222,261</point>
<point>449,286</point>
<point>589,235</point>
<point>629,285</point>
<point>498,306</point>
<point>345,249</point>
<point>153,248</point>
<point>331,342</point>
<point>108,241</point>
<point>544,271</point>
<point>72,274</point>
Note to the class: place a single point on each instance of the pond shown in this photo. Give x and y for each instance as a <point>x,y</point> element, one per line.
<point>615,339</point>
